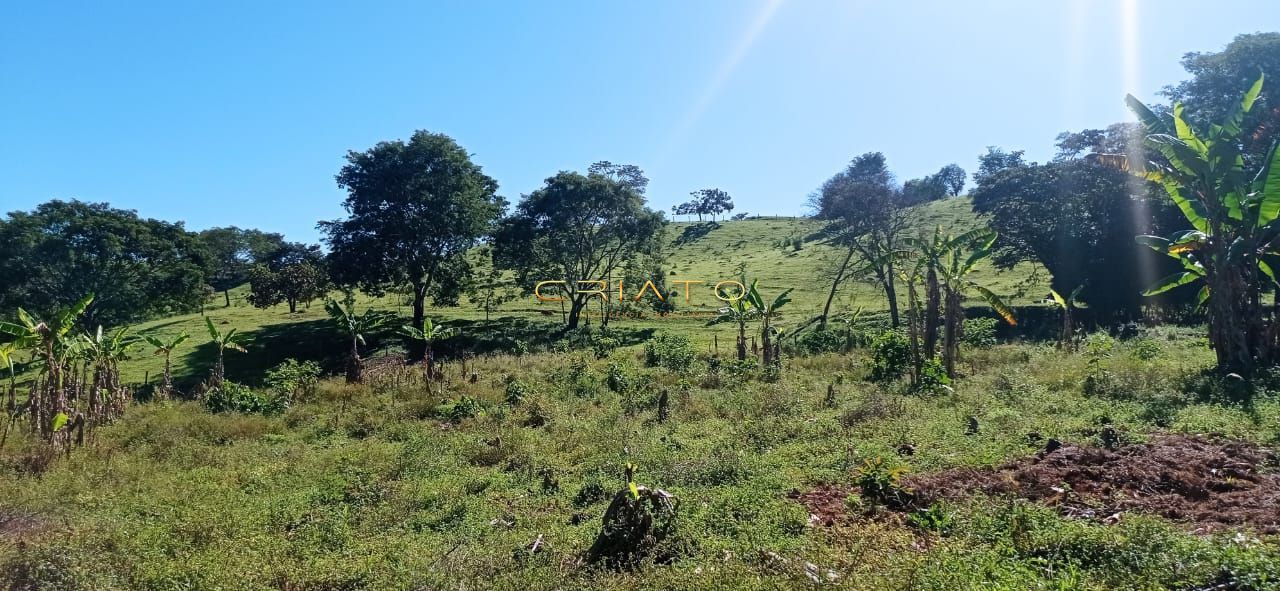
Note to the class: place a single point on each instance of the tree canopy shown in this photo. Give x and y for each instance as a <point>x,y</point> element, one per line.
<point>63,250</point>
<point>577,228</point>
<point>414,209</point>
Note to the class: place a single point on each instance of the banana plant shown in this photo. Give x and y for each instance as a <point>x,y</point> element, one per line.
<point>1067,338</point>
<point>768,311</point>
<point>430,333</point>
<point>355,326</point>
<point>166,348</point>
<point>947,262</point>
<point>104,352</point>
<point>223,341</point>
<point>51,346</point>
<point>741,313</point>
<point>1235,225</point>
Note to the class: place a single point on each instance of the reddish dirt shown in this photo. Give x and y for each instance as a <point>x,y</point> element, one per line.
<point>16,525</point>
<point>1207,484</point>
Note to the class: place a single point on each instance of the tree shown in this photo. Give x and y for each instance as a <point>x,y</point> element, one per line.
<point>490,289</point>
<point>711,202</point>
<point>103,353</point>
<point>429,333</point>
<point>996,160</point>
<point>923,190</point>
<point>137,267</point>
<point>222,341</point>
<point>355,327</point>
<point>1234,220</point>
<point>231,253</point>
<point>865,214</point>
<point>1212,94</point>
<point>415,209</point>
<point>293,283</point>
<point>575,229</point>
<point>166,348</point>
<point>1077,219</point>
<point>953,177</point>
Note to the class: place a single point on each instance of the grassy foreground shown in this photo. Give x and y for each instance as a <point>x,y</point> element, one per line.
<point>393,485</point>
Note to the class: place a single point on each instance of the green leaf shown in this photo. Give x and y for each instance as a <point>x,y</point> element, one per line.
<point>997,304</point>
<point>1269,199</point>
<point>1170,282</point>
<point>635,490</point>
<point>1150,120</point>
<point>1266,270</point>
<point>1058,298</point>
<point>59,421</point>
<point>1192,210</point>
<point>213,331</point>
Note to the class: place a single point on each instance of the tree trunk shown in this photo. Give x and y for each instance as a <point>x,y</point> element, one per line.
<point>355,369</point>
<point>293,305</point>
<point>952,332</point>
<point>742,341</point>
<point>932,309</point>
<point>575,312</point>
<point>417,348</point>
<point>226,293</point>
<point>835,285</point>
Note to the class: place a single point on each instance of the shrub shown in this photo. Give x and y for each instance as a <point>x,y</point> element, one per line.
<point>669,351</point>
<point>456,411</point>
<point>933,376</point>
<point>890,356</point>
<point>881,484</point>
<point>823,341</point>
<point>233,397</point>
<point>294,379</point>
<point>979,332</point>
<point>516,390</point>
<point>620,377</point>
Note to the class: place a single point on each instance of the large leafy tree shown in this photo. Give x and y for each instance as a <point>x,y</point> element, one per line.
<point>953,177</point>
<point>231,253</point>
<point>1078,219</point>
<point>1235,219</point>
<point>865,214</point>
<point>577,228</point>
<point>414,209</point>
<point>1213,92</point>
<point>137,267</point>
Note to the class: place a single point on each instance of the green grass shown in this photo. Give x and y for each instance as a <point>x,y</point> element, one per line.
<point>373,487</point>
<point>750,245</point>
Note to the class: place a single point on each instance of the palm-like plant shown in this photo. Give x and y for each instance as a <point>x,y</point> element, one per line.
<point>1067,339</point>
<point>1235,224</point>
<point>104,352</point>
<point>50,344</point>
<point>739,312</point>
<point>948,261</point>
<point>223,341</point>
<point>769,311</point>
<point>166,348</point>
<point>430,334</point>
<point>355,326</point>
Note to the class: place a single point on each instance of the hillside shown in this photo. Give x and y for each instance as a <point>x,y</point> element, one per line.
<point>697,252</point>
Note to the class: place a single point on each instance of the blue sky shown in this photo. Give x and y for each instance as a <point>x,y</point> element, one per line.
<point>239,113</point>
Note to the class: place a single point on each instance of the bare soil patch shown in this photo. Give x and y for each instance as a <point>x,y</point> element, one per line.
<point>1207,484</point>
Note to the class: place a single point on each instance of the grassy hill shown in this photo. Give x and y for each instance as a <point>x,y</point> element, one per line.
<point>697,252</point>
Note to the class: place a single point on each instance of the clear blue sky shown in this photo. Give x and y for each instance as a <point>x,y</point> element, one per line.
<point>239,113</point>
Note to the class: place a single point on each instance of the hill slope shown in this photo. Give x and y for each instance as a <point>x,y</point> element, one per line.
<point>698,252</point>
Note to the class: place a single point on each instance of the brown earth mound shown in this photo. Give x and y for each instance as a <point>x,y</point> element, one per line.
<point>1208,484</point>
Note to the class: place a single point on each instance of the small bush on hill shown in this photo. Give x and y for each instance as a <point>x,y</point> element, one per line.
<point>233,397</point>
<point>669,351</point>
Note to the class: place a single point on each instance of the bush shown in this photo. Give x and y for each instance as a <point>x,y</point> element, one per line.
<point>294,379</point>
<point>932,377</point>
<point>890,356</point>
<point>516,390</point>
<point>823,341</point>
<point>669,351</point>
<point>620,377</point>
<point>233,397</point>
<point>456,411</point>
<point>979,332</point>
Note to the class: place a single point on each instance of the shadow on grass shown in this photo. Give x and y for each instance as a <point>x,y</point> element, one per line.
<point>695,232</point>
